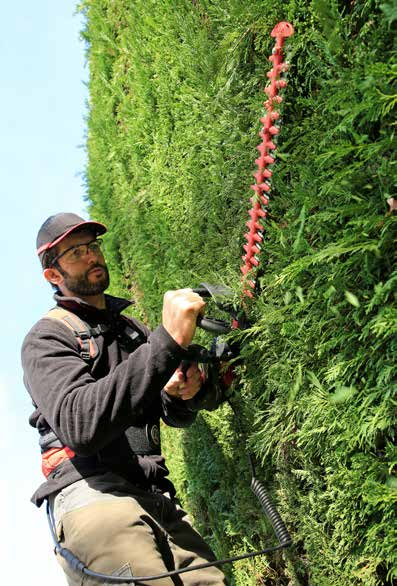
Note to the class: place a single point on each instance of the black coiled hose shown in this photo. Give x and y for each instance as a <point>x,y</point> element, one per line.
<point>271,513</point>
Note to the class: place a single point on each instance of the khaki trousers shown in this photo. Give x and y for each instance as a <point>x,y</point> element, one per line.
<point>115,528</point>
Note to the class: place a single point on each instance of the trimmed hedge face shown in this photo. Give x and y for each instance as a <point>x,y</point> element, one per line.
<point>175,101</point>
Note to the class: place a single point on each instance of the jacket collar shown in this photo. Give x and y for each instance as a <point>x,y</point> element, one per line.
<point>114,306</point>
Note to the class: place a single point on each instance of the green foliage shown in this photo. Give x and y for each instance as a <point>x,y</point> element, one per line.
<point>175,98</point>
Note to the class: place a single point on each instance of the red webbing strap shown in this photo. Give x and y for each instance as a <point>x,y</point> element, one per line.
<point>53,458</point>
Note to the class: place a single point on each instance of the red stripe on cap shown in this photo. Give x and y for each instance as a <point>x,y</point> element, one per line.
<point>43,248</point>
<point>49,245</point>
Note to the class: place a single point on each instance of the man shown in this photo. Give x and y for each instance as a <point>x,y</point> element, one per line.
<point>100,382</point>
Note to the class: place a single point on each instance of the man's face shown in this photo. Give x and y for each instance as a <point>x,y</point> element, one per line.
<point>83,270</point>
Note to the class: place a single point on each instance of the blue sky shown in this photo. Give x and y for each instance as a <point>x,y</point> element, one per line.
<point>42,159</point>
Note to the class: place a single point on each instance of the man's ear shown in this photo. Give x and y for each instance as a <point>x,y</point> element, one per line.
<point>53,276</point>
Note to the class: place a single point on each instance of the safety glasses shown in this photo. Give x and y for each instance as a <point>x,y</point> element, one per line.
<point>77,252</point>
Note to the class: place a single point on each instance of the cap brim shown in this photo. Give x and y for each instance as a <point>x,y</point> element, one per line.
<point>98,227</point>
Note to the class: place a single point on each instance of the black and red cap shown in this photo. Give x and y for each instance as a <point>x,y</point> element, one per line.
<point>57,227</point>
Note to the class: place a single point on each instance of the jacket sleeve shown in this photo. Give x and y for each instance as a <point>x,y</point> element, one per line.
<point>175,412</point>
<point>87,414</point>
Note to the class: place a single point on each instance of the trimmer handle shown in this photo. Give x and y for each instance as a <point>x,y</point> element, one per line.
<point>202,291</point>
<point>213,325</point>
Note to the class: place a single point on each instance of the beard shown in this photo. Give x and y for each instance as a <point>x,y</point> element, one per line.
<point>81,285</point>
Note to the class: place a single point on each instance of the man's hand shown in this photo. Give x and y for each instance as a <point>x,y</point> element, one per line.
<point>183,389</point>
<point>181,309</point>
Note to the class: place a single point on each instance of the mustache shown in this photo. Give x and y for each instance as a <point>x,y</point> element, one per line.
<point>97,266</point>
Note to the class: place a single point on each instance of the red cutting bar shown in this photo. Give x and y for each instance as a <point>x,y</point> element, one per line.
<point>266,148</point>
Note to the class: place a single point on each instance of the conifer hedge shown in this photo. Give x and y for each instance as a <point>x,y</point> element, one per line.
<point>175,100</point>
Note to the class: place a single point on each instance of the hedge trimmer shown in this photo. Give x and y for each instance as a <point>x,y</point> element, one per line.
<point>254,240</point>
<point>221,351</point>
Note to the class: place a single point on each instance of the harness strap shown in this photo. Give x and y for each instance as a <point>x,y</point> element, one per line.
<point>53,451</point>
<point>144,440</point>
<point>52,458</point>
<point>83,333</point>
